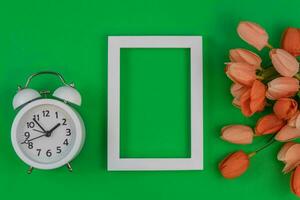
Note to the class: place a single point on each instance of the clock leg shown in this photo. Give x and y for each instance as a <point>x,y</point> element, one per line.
<point>29,171</point>
<point>69,167</point>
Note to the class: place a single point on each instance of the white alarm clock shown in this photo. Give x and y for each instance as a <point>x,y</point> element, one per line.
<point>47,133</point>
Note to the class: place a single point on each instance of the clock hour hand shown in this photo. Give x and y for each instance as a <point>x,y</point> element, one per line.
<point>39,125</point>
<point>48,134</point>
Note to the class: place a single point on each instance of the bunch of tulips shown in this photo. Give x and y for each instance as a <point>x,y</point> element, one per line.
<point>256,87</point>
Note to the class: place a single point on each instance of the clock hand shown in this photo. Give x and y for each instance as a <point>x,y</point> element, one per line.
<point>48,134</point>
<point>26,141</point>
<point>38,131</point>
<point>39,125</point>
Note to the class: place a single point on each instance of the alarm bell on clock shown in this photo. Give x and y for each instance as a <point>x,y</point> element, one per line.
<point>47,133</point>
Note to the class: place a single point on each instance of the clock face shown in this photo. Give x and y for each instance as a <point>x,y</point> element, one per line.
<point>45,133</point>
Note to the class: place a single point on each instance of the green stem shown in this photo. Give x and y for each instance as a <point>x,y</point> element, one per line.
<point>269,46</point>
<point>271,141</point>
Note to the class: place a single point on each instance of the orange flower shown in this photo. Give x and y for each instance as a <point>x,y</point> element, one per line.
<point>268,124</point>
<point>295,182</point>
<point>282,87</point>
<point>253,34</point>
<point>287,133</point>
<point>284,63</point>
<point>290,155</point>
<point>253,100</point>
<point>285,108</point>
<point>291,41</point>
<point>237,90</point>
<point>245,56</point>
<point>234,165</point>
<point>237,134</point>
<point>242,73</point>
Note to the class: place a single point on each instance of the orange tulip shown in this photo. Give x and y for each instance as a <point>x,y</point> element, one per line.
<point>295,181</point>
<point>284,63</point>
<point>237,134</point>
<point>287,133</point>
<point>234,165</point>
<point>253,34</point>
<point>290,155</point>
<point>285,108</point>
<point>282,87</point>
<point>268,124</point>
<point>291,41</point>
<point>245,56</point>
<point>294,121</point>
<point>242,73</point>
<point>253,100</point>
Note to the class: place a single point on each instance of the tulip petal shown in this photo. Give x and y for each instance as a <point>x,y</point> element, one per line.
<point>282,153</point>
<point>234,165</point>
<point>282,87</point>
<point>241,73</point>
<point>287,133</point>
<point>295,182</point>
<point>258,93</point>
<point>268,124</point>
<point>284,63</point>
<point>237,134</point>
<point>253,34</point>
<point>291,157</point>
<point>291,41</point>
<point>245,56</point>
<point>285,108</point>
<point>245,104</point>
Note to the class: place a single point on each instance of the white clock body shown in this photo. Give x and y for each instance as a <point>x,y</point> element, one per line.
<point>47,134</point>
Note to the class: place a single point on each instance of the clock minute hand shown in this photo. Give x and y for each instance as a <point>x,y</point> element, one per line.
<point>39,125</point>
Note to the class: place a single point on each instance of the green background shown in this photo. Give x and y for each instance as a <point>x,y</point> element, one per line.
<point>71,37</point>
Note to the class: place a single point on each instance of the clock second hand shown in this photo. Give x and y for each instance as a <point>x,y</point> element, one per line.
<point>26,141</point>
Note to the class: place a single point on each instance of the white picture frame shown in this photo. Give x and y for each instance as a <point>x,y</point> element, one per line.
<point>195,161</point>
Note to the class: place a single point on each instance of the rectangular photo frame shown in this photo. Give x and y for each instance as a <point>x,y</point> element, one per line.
<point>195,161</point>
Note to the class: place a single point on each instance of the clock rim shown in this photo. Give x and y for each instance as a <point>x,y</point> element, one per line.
<point>79,137</point>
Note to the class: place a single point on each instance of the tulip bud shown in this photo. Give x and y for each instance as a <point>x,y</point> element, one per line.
<point>245,56</point>
<point>234,165</point>
<point>253,34</point>
<point>291,41</point>
<point>295,120</point>
<point>268,124</point>
<point>285,108</point>
<point>282,87</point>
<point>284,63</point>
<point>295,181</point>
<point>253,100</point>
<point>237,134</point>
<point>287,133</point>
<point>241,73</point>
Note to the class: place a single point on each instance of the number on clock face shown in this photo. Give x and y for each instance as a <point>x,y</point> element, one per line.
<point>46,133</point>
